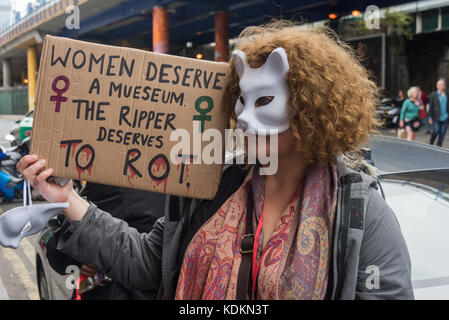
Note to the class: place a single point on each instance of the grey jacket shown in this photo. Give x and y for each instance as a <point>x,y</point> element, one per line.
<point>370,259</point>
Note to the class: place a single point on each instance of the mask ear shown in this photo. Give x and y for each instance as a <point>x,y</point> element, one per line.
<point>277,61</point>
<point>239,58</point>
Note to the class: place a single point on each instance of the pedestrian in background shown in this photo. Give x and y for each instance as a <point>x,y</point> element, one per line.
<point>410,113</point>
<point>399,102</point>
<point>423,112</point>
<point>401,98</point>
<point>438,112</point>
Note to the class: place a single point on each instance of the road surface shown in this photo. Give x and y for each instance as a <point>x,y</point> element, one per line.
<point>6,124</point>
<point>18,268</point>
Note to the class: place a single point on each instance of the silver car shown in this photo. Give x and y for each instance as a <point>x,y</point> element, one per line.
<point>415,180</point>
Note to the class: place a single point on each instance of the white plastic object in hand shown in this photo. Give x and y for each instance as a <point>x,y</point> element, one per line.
<point>268,83</point>
<point>20,222</point>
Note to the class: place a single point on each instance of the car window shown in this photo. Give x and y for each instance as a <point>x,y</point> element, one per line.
<point>434,181</point>
<point>393,155</point>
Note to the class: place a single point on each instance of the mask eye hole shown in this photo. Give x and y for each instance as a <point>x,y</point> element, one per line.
<point>263,101</point>
<point>242,100</point>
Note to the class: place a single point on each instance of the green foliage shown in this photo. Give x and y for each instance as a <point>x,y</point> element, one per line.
<point>399,24</point>
<point>395,24</point>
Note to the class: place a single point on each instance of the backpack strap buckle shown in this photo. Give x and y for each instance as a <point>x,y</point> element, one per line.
<point>247,243</point>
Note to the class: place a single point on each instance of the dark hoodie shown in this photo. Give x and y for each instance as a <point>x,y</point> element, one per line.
<point>125,204</point>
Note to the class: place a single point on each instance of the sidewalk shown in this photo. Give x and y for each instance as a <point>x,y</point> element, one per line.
<point>3,292</point>
<point>421,136</point>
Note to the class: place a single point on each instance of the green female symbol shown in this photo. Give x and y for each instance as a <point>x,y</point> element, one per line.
<point>202,116</point>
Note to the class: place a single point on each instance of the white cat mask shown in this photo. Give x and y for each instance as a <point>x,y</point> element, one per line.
<point>264,93</point>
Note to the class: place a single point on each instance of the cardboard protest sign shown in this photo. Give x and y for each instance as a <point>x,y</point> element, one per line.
<point>105,114</point>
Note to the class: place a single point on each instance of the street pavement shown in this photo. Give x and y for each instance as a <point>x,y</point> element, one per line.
<point>18,271</point>
<point>421,136</point>
<point>6,124</point>
<point>17,266</point>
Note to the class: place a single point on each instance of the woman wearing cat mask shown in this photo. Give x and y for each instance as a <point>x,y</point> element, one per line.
<point>314,229</point>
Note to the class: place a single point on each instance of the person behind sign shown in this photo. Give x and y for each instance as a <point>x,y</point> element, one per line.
<point>316,228</point>
<point>127,204</point>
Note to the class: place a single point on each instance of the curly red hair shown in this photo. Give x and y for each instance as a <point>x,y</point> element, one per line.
<point>332,100</point>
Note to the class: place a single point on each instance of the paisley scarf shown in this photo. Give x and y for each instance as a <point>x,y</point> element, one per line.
<point>294,261</point>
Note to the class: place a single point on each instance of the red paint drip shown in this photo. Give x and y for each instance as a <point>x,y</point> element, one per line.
<point>88,153</point>
<point>187,172</point>
<point>79,172</point>
<point>160,163</point>
<point>161,181</point>
<point>74,148</point>
<point>133,173</point>
<point>64,145</point>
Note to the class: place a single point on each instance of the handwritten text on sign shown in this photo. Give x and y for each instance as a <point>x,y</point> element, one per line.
<point>130,102</point>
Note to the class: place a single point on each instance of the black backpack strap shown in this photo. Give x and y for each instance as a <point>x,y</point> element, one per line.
<point>345,185</point>
<point>246,250</point>
<point>352,216</point>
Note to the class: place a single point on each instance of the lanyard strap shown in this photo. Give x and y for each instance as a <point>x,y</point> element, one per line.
<point>26,194</point>
<point>256,265</point>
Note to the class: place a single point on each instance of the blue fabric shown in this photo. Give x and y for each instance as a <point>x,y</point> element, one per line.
<point>439,129</point>
<point>426,123</point>
<point>443,106</point>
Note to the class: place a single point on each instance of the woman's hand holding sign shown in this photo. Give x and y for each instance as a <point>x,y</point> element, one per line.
<point>31,168</point>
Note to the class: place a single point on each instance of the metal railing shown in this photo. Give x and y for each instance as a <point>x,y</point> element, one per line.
<point>35,10</point>
<point>39,14</point>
